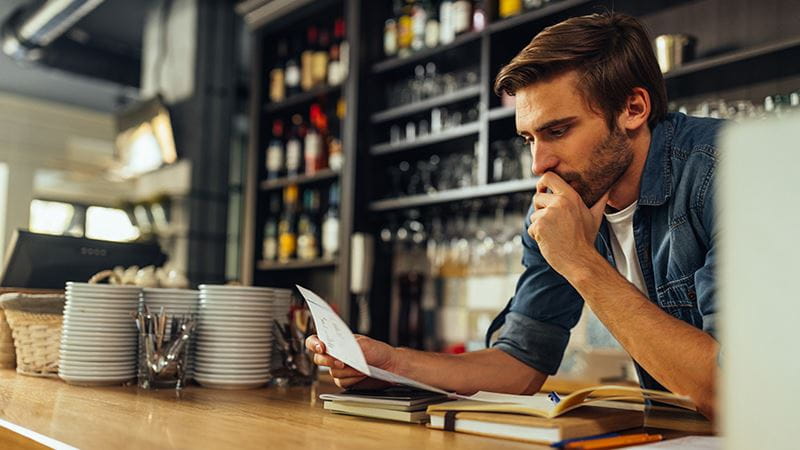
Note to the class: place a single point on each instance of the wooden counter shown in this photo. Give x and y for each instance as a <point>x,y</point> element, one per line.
<point>125,417</point>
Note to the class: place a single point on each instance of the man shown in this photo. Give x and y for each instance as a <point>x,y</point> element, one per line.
<point>622,219</point>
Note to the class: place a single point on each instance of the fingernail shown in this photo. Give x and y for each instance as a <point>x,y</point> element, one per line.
<point>339,365</point>
<point>319,348</point>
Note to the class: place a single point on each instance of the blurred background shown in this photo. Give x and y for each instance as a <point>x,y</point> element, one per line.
<point>349,146</point>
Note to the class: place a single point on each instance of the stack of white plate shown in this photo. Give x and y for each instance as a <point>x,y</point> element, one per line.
<point>176,302</point>
<point>99,336</point>
<point>234,336</point>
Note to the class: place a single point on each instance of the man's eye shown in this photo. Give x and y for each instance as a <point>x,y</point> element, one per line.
<point>558,132</point>
<point>528,140</point>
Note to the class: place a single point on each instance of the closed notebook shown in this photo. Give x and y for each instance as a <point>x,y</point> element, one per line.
<point>364,410</point>
<point>587,421</point>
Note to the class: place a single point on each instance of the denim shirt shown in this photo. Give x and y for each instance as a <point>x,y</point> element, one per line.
<point>675,234</point>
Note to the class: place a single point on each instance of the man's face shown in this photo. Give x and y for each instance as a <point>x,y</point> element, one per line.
<point>570,139</point>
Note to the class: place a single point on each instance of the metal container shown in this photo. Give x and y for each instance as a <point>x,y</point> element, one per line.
<point>673,50</point>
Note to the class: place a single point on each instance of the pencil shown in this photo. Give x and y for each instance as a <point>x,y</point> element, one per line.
<point>614,442</point>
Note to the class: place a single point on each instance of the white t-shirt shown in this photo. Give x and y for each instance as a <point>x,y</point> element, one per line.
<point>624,247</point>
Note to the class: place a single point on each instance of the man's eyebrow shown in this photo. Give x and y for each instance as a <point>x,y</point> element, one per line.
<point>550,124</point>
<point>556,122</point>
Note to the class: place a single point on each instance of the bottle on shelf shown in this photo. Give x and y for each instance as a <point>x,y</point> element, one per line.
<point>335,147</point>
<point>419,18</point>
<point>292,70</point>
<point>307,59</point>
<point>461,16</point>
<point>269,251</point>
<point>274,157</point>
<point>446,30</point>
<point>314,149</point>
<point>287,227</point>
<point>432,28</point>
<point>478,16</point>
<point>339,55</point>
<point>330,226</point>
<point>307,229</point>
<point>294,147</point>
<point>319,66</point>
<point>277,75</point>
<point>390,38</point>
<point>405,30</point>
<point>509,8</point>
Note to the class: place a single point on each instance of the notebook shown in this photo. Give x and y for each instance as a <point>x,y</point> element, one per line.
<point>547,418</point>
<point>588,421</point>
<point>396,403</point>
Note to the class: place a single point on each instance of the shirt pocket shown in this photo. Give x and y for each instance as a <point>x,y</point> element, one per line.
<point>679,299</point>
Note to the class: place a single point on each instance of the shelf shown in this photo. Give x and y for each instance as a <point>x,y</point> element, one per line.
<point>295,264</point>
<point>430,103</point>
<point>430,139</point>
<point>501,113</point>
<point>745,54</point>
<point>536,14</point>
<point>487,190</point>
<point>397,62</point>
<point>278,183</point>
<point>299,99</point>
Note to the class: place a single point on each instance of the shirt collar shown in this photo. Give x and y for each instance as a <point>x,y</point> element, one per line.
<point>656,182</point>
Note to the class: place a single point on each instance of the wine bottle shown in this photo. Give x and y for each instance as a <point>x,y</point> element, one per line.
<point>274,157</point>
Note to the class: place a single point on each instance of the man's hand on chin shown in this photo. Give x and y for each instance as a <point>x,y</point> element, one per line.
<point>563,226</point>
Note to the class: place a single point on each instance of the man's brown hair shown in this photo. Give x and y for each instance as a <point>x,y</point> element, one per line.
<point>610,52</point>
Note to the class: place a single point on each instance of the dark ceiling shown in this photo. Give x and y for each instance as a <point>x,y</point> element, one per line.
<point>115,27</point>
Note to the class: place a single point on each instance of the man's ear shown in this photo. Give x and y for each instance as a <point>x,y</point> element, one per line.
<point>636,110</point>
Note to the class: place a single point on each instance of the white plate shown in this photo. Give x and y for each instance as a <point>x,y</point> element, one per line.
<point>98,333</point>
<point>234,355</point>
<point>233,386</point>
<point>111,295</point>
<point>111,325</point>
<point>169,291</point>
<point>232,308</point>
<point>102,287</point>
<point>100,341</point>
<point>96,361</point>
<point>233,320</point>
<point>241,346</point>
<point>223,363</point>
<point>101,307</point>
<point>81,380</point>
<point>232,371</point>
<point>240,343</point>
<point>261,334</point>
<point>230,378</point>
<point>73,366</point>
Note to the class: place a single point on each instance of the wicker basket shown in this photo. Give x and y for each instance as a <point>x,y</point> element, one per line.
<point>35,322</point>
<point>8,359</point>
<point>37,338</point>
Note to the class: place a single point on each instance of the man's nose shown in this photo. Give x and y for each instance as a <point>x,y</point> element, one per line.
<point>543,159</point>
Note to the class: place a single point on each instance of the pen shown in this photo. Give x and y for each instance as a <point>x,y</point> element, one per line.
<point>586,438</point>
<point>614,442</point>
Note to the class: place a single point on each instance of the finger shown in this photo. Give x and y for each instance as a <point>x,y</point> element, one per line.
<point>327,361</point>
<point>314,344</point>
<point>536,216</point>
<point>345,383</point>
<point>346,372</point>
<point>556,184</point>
<point>543,200</point>
<point>599,208</point>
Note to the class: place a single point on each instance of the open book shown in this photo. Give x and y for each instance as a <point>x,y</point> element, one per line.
<point>342,345</point>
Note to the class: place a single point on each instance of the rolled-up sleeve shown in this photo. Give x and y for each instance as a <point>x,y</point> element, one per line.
<point>538,319</point>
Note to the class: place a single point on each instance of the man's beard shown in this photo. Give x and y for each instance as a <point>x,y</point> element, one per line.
<point>607,163</point>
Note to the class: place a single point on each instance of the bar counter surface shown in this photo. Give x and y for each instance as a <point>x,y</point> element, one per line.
<point>199,418</point>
